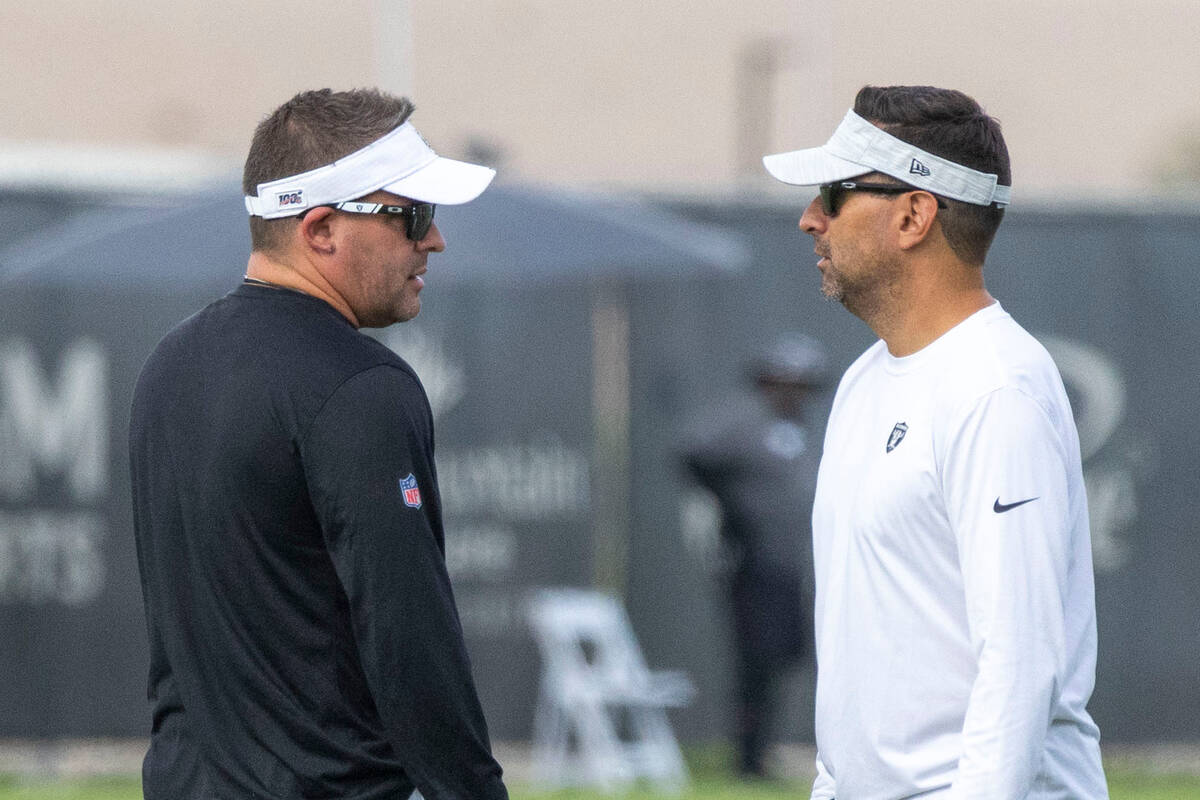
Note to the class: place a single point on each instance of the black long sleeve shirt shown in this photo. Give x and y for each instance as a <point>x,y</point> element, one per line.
<point>303,633</point>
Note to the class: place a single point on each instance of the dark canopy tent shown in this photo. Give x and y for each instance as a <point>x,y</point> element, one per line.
<point>509,232</point>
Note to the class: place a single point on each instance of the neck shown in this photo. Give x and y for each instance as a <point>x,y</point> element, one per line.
<point>919,310</point>
<point>280,272</point>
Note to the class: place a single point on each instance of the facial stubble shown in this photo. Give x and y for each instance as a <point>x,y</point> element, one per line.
<point>870,290</point>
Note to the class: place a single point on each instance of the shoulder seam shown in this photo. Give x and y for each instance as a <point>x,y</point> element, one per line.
<point>402,368</point>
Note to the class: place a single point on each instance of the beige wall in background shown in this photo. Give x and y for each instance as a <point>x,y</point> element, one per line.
<point>626,93</point>
<point>1098,99</point>
<point>181,74</point>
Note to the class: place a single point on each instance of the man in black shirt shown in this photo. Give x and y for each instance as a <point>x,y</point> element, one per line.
<point>760,463</point>
<point>303,634</point>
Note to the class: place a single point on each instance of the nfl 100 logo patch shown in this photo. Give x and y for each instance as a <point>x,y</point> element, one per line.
<point>412,494</point>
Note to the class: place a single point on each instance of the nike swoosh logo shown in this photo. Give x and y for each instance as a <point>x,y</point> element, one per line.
<point>1000,508</point>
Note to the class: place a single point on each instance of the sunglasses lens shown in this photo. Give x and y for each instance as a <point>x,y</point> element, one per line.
<point>420,221</point>
<point>829,198</point>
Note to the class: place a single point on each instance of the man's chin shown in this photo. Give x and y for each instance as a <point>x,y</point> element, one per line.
<point>832,290</point>
<point>383,320</point>
<point>408,313</point>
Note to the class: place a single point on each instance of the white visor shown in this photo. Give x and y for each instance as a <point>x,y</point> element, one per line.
<point>858,147</point>
<point>400,163</point>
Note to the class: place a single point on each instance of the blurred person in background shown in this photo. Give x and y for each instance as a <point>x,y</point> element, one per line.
<point>955,611</point>
<point>303,634</point>
<point>760,463</point>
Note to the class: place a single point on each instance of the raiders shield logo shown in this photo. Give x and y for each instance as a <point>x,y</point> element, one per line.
<point>896,436</point>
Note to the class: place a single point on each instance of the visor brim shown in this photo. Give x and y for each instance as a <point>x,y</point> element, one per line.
<point>813,166</point>
<point>444,181</point>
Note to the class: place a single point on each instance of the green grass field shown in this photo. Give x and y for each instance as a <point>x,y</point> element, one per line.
<point>1127,784</point>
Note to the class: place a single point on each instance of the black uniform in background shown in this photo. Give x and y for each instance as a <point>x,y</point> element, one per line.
<point>304,639</point>
<point>762,468</point>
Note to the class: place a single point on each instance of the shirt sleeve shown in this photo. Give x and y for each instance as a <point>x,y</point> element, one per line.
<point>1006,489</point>
<point>368,458</point>
<point>823,786</point>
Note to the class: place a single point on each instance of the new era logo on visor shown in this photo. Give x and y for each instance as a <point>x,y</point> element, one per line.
<point>918,168</point>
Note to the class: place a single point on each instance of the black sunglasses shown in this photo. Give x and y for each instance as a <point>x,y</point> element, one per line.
<point>418,217</point>
<point>832,194</point>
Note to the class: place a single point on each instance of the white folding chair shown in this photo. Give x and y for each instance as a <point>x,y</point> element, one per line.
<point>600,717</point>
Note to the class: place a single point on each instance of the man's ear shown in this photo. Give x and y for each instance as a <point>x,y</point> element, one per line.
<point>917,213</point>
<point>316,230</point>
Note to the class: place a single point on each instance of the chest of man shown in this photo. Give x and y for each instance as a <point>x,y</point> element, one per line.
<point>880,484</point>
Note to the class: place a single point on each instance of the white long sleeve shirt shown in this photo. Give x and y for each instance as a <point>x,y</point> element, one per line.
<point>955,616</point>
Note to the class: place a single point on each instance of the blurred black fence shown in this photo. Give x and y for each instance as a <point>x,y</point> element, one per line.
<point>565,341</point>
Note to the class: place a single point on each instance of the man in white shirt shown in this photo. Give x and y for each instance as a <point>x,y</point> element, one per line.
<point>955,616</point>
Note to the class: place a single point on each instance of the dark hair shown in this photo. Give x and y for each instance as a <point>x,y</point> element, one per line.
<point>311,130</point>
<point>949,124</point>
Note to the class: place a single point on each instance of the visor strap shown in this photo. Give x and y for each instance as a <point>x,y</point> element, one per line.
<point>388,159</point>
<point>858,141</point>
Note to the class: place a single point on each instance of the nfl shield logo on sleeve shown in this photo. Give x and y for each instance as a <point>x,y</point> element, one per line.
<point>412,494</point>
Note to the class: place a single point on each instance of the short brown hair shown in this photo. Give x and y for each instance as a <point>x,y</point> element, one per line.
<point>312,129</point>
<point>949,124</point>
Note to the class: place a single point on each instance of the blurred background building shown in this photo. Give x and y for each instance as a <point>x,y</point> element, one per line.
<point>675,95</point>
<point>567,333</point>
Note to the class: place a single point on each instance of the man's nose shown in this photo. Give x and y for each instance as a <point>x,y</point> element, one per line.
<point>813,220</point>
<point>433,241</point>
